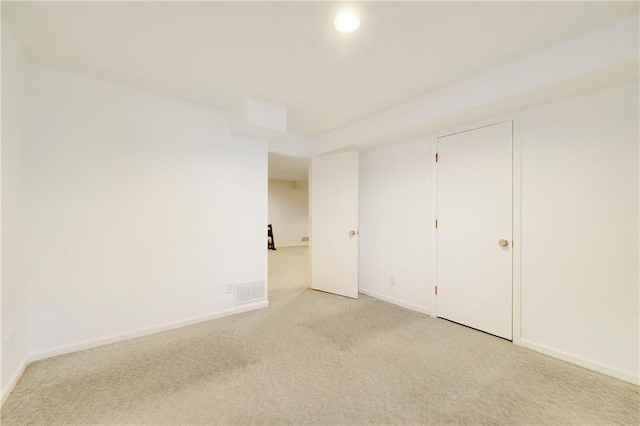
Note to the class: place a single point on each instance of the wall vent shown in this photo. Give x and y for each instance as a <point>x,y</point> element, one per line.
<point>248,292</point>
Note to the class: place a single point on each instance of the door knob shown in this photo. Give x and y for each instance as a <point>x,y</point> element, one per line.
<point>353,233</point>
<point>503,243</point>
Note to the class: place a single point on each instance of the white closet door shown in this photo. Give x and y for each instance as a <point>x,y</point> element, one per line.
<point>475,228</point>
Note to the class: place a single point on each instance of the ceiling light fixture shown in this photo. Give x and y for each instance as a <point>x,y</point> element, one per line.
<point>346,22</point>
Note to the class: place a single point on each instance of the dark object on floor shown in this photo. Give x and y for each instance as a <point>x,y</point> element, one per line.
<point>271,245</point>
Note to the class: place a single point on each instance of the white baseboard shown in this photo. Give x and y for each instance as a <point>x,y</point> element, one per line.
<point>14,380</point>
<point>398,302</point>
<point>626,375</point>
<point>88,344</point>
<point>291,245</point>
<point>93,343</point>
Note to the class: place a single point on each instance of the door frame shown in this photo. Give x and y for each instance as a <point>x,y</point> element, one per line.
<point>292,154</point>
<point>516,279</point>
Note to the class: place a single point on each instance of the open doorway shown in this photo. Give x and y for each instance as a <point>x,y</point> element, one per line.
<point>289,219</point>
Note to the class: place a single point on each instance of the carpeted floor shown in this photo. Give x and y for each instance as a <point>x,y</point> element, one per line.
<point>315,358</point>
<point>288,267</point>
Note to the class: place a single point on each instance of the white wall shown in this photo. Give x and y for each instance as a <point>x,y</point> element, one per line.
<point>14,205</point>
<point>289,211</point>
<point>395,223</point>
<point>142,209</point>
<point>579,228</point>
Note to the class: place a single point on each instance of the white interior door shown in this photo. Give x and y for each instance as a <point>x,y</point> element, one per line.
<point>334,223</point>
<point>474,230</point>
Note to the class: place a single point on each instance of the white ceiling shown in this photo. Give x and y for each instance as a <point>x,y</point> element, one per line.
<point>282,167</point>
<point>287,53</point>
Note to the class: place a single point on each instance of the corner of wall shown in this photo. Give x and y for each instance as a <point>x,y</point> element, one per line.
<point>13,256</point>
<point>13,381</point>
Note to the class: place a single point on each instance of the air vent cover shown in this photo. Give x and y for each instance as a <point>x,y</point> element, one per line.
<point>248,292</point>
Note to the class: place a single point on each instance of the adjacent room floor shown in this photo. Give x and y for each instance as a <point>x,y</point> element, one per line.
<point>315,358</point>
<point>288,267</point>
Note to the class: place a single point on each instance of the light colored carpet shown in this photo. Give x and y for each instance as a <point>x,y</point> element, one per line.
<point>288,267</point>
<point>315,358</point>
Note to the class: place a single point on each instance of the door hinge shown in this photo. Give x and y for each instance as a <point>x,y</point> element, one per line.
<point>436,157</point>
<point>436,290</point>
<point>436,223</point>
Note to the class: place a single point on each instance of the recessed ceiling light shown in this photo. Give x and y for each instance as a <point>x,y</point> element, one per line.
<point>347,22</point>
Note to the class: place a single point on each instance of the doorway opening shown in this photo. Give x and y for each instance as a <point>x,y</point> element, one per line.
<point>288,220</point>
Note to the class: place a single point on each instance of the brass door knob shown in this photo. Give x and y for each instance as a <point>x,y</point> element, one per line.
<point>503,243</point>
<point>353,233</point>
